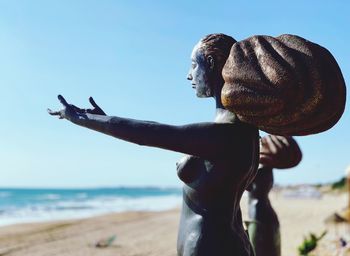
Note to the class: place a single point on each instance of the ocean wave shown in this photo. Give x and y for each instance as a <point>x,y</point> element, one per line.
<point>5,194</point>
<point>57,208</point>
<point>82,195</point>
<point>49,197</point>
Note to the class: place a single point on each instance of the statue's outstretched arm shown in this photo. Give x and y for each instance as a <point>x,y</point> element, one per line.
<point>207,140</point>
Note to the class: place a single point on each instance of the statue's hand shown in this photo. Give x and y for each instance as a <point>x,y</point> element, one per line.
<point>279,152</point>
<point>73,113</point>
<point>96,110</point>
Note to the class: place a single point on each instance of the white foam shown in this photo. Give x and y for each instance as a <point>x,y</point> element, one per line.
<point>49,197</point>
<point>83,208</point>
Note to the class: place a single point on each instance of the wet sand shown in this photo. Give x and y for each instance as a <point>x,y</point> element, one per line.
<point>154,233</point>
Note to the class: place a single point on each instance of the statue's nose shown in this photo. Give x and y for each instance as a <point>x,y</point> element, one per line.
<point>189,76</point>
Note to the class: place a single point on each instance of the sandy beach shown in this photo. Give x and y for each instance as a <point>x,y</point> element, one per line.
<point>154,233</point>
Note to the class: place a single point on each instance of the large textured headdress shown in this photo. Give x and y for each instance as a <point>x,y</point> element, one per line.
<point>284,85</point>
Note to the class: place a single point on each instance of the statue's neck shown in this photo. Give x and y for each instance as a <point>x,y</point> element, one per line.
<point>222,115</point>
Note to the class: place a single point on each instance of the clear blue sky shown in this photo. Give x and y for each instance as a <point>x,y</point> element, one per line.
<point>133,57</point>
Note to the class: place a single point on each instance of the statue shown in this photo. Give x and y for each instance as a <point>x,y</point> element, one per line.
<point>263,226</point>
<point>221,157</point>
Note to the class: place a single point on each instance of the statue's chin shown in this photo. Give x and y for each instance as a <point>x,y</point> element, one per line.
<point>204,93</point>
<point>201,95</point>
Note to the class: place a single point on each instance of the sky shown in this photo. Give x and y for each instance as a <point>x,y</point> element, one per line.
<point>133,57</point>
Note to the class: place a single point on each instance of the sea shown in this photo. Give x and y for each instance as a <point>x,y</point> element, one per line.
<point>38,205</point>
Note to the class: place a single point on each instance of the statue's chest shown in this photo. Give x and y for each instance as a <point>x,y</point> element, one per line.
<point>191,169</point>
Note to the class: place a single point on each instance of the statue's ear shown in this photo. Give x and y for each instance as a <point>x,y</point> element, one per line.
<point>211,62</point>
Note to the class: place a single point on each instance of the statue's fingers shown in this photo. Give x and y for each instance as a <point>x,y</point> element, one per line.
<point>264,155</point>
<point>284,140</point>
<point>271,145</point>
<point>264,150</point>
<point>93,103</point>
<point>263,142</point>
<point>76,109</point>
<point>53,113</point>
<point>63,101</point>
<point>277,141</point>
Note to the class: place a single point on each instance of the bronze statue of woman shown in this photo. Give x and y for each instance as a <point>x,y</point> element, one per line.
<point>263,227</point>
<point>222,156</point>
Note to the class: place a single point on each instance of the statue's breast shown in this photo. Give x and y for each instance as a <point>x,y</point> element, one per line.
<point>191,168</point>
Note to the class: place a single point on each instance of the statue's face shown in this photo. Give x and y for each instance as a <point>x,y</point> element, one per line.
<point>199,73</point>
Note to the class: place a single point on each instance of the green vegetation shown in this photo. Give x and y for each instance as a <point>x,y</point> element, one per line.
<point>340,184</point>
<point>105,242</point>
<point>309,244</point>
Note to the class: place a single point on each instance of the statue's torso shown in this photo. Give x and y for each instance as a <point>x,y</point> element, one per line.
<point>211,222</point>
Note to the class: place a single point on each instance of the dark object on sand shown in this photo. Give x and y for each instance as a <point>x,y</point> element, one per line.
<point>103,243</point>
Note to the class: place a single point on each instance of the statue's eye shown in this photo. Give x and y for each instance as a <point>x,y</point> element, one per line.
<point>194,64</point>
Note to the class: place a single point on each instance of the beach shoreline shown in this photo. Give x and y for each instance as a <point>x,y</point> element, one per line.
<point>139,233</point>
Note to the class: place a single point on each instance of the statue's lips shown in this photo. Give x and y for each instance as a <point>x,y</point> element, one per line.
<point>194,86</point>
